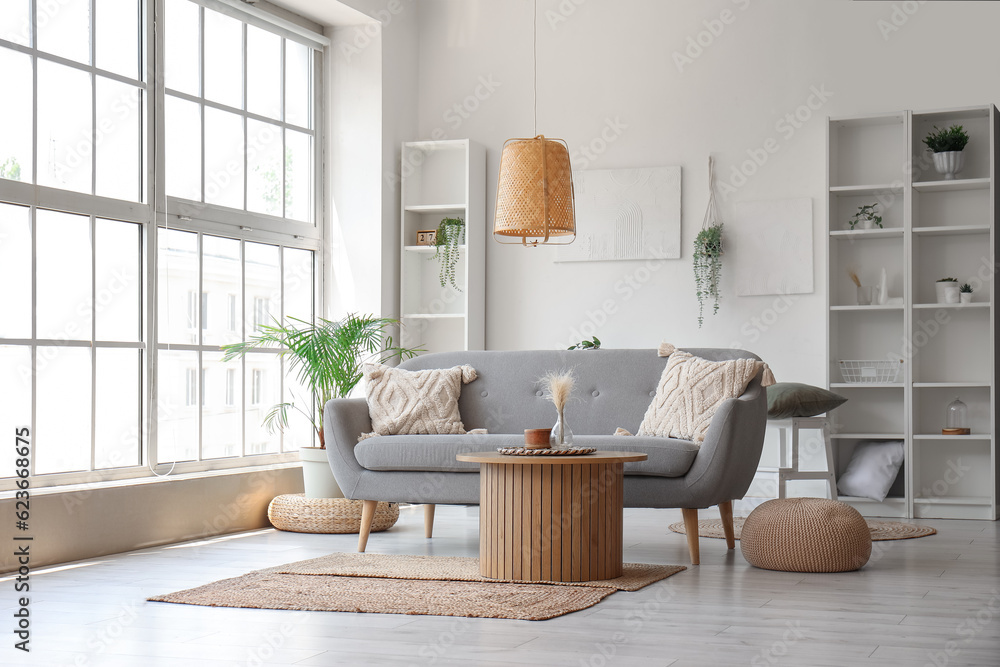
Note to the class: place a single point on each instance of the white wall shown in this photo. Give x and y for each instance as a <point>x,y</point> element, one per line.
<point>602,62</point>
<point>371,101</point>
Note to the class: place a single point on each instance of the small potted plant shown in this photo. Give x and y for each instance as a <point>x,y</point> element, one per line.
<point>947,146</point>
<point>450,235</point>
<point>867,216</point>
<point>965,293</point>
<point>947,290</point>
<point>594,344</point>
<point>708,268</point>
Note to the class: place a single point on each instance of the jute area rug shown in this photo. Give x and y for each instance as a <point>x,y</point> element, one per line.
<point>399,584</point>
<point>881,530</point>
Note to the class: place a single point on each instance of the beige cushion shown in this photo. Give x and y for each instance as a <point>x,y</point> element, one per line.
<point>404,402</point>
<point>690,391</point>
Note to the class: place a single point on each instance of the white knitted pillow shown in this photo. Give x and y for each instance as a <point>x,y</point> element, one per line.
<point>691,390</point>
<point>402,402</point>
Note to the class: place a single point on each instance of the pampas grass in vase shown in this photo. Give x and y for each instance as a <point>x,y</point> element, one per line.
<point>558,387</point>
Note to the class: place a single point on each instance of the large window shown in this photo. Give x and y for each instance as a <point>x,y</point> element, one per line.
<point>239,118</point>
<point>150,214</point>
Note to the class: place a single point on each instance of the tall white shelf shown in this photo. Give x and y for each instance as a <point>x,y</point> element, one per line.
<point>443,179</point>
<point>932,228</point>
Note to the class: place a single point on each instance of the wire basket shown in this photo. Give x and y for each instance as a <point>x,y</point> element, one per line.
<point>870,371</point>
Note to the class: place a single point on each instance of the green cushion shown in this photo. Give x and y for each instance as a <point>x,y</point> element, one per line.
<point>792,399</point>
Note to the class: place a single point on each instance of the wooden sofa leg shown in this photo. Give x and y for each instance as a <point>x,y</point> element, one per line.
<point>367,515</point>
<point>428,521</point>
<point>691,528</point>
<point>726,512</point>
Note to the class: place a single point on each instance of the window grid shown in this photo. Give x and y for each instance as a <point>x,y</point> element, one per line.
<point>93,72</point>
<point>283,125</point>
<point>151,179</point>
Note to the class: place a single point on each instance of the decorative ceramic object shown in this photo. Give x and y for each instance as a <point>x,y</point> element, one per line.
<point>949,163</point>
<point>883,288</point>
<point>537,438</point>
<point>966,297</point>
<point>947,291</point>
<point>317,476</point>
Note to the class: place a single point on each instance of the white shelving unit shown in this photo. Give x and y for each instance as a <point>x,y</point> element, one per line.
<point>443,179</point>
<point>932,228</point>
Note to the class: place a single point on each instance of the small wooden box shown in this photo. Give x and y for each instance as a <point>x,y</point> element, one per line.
<point>426,237</point>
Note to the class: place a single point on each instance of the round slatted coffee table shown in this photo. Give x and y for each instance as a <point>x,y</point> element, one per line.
<point>551,518</point>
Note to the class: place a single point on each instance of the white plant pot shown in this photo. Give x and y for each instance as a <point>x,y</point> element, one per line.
<point>949,163</point>
<point>317,476</point>
<point>867,223</point>
<point>947,292</point>
<point>966,297</point>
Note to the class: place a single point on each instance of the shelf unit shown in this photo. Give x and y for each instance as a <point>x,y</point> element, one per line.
<point>443,179</point>
<point>932,228</point>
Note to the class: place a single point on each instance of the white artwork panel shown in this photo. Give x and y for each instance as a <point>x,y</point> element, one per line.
<point>626,214</point>
<point>770,247</point>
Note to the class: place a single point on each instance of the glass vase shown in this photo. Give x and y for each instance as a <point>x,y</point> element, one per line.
<point>561,436</point>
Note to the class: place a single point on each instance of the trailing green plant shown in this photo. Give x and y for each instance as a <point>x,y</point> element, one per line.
<point>866,212</point>
<point>965,289</point>
<point>943,141</point>
<point>594,344</point>
<point>947,280</point>
<point>326,358</point>
<point>708,268</point>
<point>450,235</point>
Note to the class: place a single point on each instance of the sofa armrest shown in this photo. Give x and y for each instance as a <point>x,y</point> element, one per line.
<point>344,419</point>
<point>728,458</point>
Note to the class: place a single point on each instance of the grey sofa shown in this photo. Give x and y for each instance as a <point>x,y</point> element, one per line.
<point>613,389</point>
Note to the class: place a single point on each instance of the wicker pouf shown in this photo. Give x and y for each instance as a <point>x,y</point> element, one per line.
<point>806,535</point>
<point>296,513</point>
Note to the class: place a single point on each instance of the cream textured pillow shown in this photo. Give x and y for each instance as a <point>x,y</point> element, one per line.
<point>691,390</point>
<point>402,402</point>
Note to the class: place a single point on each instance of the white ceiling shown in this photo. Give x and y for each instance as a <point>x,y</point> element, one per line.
<point>324,12</point>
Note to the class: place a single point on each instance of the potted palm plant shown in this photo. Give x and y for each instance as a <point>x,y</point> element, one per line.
<point>326,358</point>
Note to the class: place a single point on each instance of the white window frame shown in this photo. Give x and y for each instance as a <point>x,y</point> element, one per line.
<point>157,211</point>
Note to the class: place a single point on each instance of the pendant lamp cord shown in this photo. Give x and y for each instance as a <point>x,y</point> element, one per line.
<point>534,67</point>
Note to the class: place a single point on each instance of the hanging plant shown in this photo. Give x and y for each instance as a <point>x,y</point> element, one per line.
<point>450,235</point>
<point>708,253</point>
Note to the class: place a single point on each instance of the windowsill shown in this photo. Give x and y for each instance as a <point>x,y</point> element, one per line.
<point>137,481</point>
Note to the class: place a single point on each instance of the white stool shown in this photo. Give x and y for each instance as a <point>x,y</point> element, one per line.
<point>786,471</point>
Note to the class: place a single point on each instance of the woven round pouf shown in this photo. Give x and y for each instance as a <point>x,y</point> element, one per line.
<point>806,535</point>
<point>298,514</point>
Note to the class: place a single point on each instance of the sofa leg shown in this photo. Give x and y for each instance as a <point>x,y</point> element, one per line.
<point>726,512</point>
<point>691,528</point>
<point>367,515</point>
<point>428,521</point>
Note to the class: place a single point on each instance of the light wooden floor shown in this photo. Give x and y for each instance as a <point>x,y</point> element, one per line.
<point>930,601</point>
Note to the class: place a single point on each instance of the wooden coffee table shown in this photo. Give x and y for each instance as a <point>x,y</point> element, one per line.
<point>551,518</point>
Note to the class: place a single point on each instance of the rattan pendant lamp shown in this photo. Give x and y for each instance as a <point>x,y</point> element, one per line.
<point>535,188</point>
